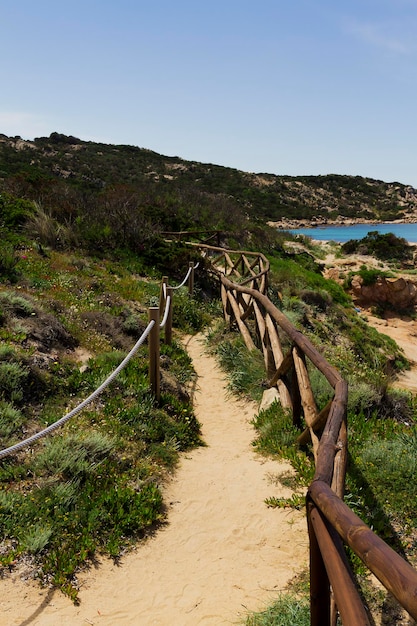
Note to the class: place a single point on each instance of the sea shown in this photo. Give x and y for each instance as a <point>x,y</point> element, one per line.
<point>341,234</point>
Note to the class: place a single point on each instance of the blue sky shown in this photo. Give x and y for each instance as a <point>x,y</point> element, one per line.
<point>286,87</point>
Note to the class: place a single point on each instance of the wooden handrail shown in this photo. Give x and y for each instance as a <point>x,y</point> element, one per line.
<point>330,520</point>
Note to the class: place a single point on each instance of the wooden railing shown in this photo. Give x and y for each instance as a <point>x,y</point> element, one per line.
<point>243,278</point>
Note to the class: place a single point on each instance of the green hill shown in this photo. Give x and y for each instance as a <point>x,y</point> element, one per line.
<point>186,192</point>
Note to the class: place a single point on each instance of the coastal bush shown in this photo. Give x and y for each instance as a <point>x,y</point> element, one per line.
<point>387,247</point>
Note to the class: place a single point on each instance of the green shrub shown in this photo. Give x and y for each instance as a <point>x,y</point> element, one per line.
<point>75,455</point>
<point>11,419</point>
<point>14,211</point>
<point>387,247</point>
<point>8,262</point>
<point>389,466</point>
<point>13,377</point>
<point>15,304</point>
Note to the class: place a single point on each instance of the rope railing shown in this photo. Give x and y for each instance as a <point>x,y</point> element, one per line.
<point>46,431</point>
<point>331,523</point>
<point>153,367</point>
<point>166,313</point>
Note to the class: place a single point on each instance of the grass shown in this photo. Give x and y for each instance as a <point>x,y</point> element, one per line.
<point>92,487</point>
<point>245,370</point>
<point>286,610</point>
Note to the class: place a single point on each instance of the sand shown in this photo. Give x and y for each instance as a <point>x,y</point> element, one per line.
<point>222,552</point>
<point>404,331</point>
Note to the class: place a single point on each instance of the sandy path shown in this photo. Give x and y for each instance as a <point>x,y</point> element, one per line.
<point>404,331</point>
<point>221,553</point>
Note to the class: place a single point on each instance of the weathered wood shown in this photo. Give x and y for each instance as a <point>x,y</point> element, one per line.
<point>286,364</point>
<point>191,278</point>
<point>295,335</point>
<point>230,264</point>
<point>393,571</point>
<point>154,351</point>
<point>168,325</point>
<point>249,311</point>
<point>318,424</point>
<point>225,302</point>
<point>262,333</point>
<point>163,292</point>
<point>319,581</point>
<point>216,259</point>
<point>249,266</point>
<point>307,397</point>
<point>328,441</point>
<point>347,598</point>
<point>277,354</point>
<point>242,327</point>
<point>340,462</point>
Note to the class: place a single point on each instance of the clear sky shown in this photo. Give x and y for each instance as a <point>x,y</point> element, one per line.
<point>280,86</point>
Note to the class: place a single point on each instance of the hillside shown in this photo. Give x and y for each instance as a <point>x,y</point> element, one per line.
<point>187,192</point>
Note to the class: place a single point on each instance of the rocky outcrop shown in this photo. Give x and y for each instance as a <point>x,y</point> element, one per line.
<point>399,293</point>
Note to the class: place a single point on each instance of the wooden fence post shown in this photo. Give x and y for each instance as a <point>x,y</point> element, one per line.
<point>154,375</point>
<point>168,325</point>
<point>319,581</point>
<point>191,279</point>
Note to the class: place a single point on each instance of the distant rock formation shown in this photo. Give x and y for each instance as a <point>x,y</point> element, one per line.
<point>399,293</point>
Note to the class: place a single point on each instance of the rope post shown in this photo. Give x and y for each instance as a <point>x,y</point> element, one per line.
<point>154,376</point>
<point>191,278</point>
<point>168,325</point>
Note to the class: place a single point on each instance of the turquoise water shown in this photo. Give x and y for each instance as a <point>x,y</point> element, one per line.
<point>358,231</point>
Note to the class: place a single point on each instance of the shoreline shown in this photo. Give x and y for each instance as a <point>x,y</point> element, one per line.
<point>293,224</point>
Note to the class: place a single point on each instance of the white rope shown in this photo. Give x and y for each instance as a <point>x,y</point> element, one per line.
<point>166,313</point>
<point>84,403</point>
<point>185,279</point>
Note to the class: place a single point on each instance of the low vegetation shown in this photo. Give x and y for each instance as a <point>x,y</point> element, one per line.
<point>66,322</point>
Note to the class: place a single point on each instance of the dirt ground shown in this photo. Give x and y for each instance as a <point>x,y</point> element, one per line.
<point>221,553</point>
<point>402,329</point>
